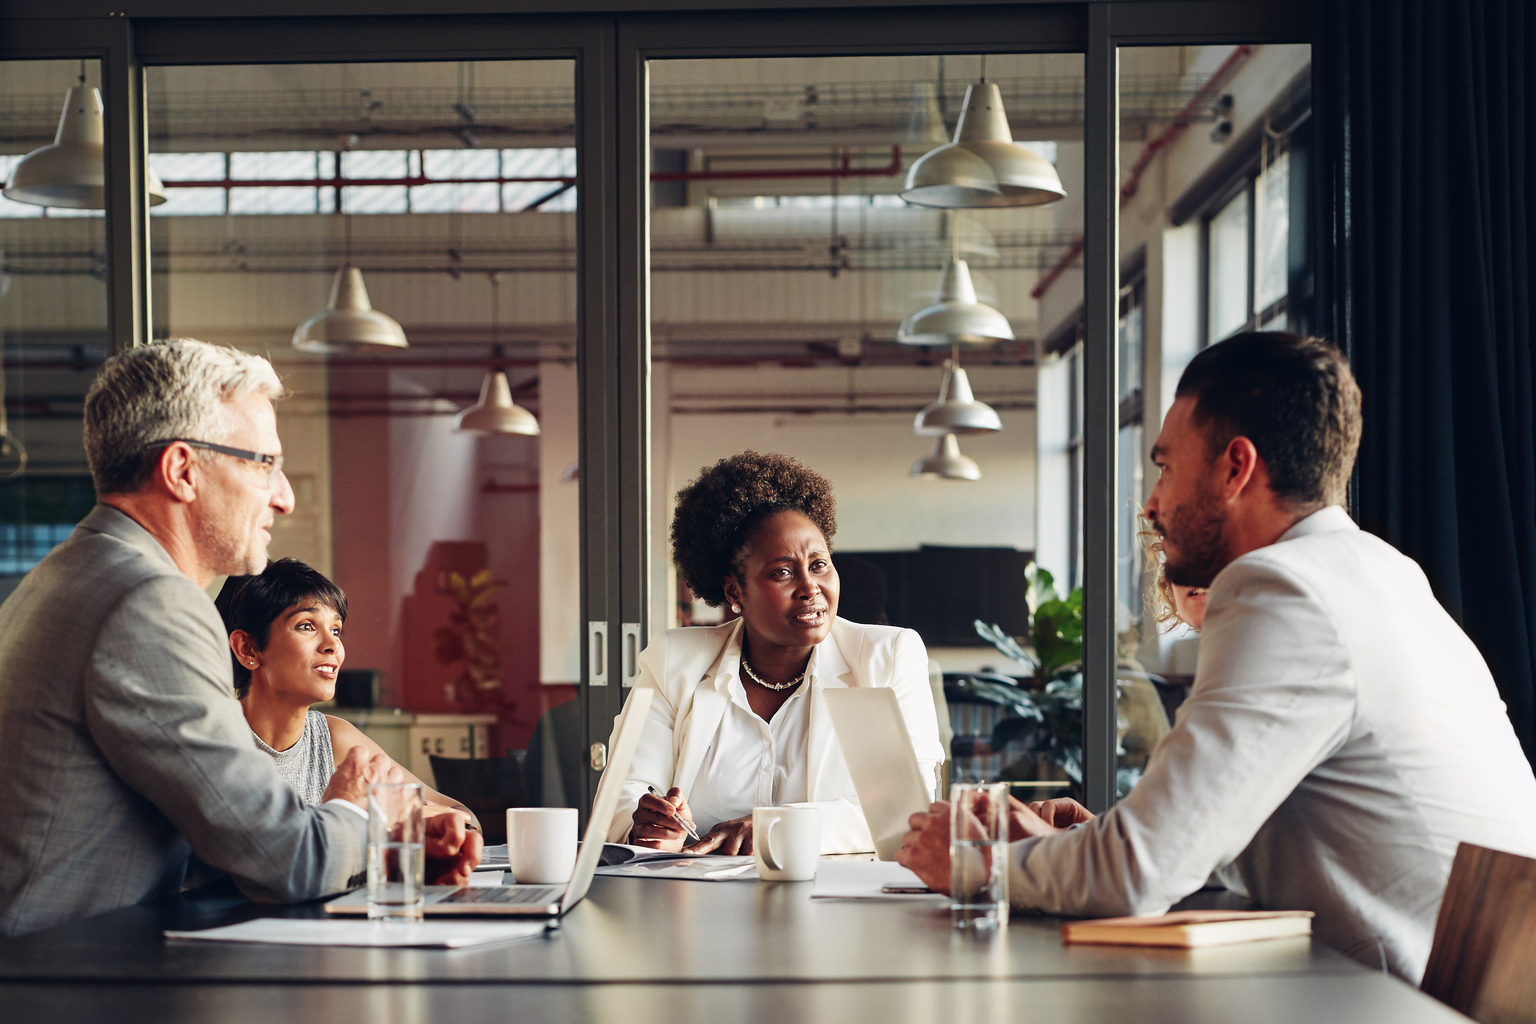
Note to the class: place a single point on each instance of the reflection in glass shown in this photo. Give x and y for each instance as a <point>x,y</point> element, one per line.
<point>53,329</point>
<point>459,551</point>
<point>783,266</point>
<point>1228,299</point>
<point>1273,220</point>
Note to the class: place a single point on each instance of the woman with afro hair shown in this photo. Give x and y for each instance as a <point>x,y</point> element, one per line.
<point>737,721</point>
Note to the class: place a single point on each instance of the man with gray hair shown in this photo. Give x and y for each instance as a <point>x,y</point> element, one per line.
<point>121,744</point>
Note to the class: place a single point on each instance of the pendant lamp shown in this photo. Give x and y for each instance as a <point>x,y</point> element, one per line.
<point>349,323</point>
<point>956,411</point>
<point>946,463</point>
<point>71,173</point>
<point>983,166</point>
<point>957,318</point>
<point>495,412</point>
<point>925,122</point>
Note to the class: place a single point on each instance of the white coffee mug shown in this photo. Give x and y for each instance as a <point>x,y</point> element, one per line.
<point>541,843</point>
<point>786,842</point>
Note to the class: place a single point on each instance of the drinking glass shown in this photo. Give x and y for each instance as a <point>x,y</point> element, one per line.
<point>978,855</point>
<point>396,851</point>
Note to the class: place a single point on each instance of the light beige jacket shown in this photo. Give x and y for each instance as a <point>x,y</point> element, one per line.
<point>1341,737</point>
<point>690,669</point>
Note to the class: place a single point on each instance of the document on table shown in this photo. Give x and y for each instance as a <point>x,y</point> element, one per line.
<point>428,934</point>
<point>697,869</point>
<point>864,880</point>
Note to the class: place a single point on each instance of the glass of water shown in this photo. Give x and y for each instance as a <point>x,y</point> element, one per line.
<point>978,855</point>
<point>396,851</point>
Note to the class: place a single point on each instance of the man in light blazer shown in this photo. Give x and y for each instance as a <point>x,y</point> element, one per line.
<point>121,743</point>
<point>1342,735</point>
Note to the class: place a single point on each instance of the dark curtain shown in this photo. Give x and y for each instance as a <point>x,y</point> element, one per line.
<point>1425,151</point>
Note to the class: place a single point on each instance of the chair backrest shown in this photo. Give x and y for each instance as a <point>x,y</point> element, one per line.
<point>486,785</point>
<point>1483,962</point>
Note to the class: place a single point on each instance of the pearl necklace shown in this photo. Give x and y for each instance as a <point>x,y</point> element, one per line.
<point>765,684</point>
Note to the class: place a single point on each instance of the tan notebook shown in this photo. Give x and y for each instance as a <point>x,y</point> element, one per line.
<point>1189,929</point>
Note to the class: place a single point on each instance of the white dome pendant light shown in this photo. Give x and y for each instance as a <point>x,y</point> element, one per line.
<point>983,166</point>
<point>956,411</point>
<point>957,318</point>
<point>349,323</point>
<point>946,463</point>
<point>495,412</point>
<point>71,173</point>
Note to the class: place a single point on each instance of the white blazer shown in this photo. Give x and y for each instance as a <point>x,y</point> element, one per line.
<point>690,670</point>
<point>1341,737</point>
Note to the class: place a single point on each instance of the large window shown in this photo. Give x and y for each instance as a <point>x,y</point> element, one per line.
<point>1248,250</point>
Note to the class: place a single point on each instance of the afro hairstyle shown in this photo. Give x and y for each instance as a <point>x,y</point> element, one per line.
<point>717,513</point>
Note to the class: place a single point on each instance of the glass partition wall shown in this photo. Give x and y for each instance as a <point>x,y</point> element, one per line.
<point>53,300</point>
<point>399,239</point>
<point>443,177</point>
<point>818,286</point>
<point>1212,241</point>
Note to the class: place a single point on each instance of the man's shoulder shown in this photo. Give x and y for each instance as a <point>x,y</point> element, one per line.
<point>90,574</point>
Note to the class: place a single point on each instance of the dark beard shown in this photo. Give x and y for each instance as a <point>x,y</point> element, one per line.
<point>1199,534</point>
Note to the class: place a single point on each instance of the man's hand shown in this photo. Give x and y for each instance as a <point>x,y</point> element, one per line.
<point>452,850</point>
<point>1063,812</point>
<point>728,837</point>
<point>655,821</point>
<point>925,850</point>
<point>357,771</point>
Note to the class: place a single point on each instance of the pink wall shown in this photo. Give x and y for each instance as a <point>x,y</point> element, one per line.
<point>410,501</point>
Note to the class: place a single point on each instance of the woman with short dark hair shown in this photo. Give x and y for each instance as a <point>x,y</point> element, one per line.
<point>738,720</point>
<point>285,636</point>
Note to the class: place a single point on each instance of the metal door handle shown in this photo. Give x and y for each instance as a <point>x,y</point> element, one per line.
<point>631,653</point>
<point>598,756</point>
<point>597,653</point>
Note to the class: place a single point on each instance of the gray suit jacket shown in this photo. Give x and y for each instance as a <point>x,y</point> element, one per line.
<point>122,745</point>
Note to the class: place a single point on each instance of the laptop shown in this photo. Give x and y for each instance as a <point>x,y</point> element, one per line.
<point>878,752</point>
<point>539,900</point>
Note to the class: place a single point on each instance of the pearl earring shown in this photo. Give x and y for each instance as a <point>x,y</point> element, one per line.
<point>735,609</point>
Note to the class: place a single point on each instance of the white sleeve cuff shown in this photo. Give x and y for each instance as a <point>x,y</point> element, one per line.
<point>348,804</point>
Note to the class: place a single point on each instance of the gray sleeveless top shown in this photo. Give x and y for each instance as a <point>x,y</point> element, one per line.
<point>307,766</point>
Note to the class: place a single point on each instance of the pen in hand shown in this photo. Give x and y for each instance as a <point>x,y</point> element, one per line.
<point>685,826</point>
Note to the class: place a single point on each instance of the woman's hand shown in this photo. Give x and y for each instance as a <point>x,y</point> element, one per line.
<point>655,821</point>
<point>728,837</point>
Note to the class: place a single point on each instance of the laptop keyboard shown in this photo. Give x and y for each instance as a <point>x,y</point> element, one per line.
<point>511,895</point>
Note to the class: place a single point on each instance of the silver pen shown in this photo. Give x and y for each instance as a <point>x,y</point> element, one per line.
<point>686,827</point>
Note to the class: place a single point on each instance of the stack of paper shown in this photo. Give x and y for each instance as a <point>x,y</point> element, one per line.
<point>428,934</point>
<point>696,869</point>
<point>866,880</point>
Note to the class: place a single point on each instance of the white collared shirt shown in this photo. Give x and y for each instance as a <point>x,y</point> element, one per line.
<point>750,762</point>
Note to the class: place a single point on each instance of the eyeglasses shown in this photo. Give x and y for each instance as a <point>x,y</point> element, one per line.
<point>274,463</point>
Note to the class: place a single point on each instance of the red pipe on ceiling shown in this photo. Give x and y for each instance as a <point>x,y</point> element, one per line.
<point>1133,180</point>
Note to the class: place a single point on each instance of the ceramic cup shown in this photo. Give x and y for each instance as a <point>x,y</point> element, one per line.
<point>786,842</point>
<point>541,843</point>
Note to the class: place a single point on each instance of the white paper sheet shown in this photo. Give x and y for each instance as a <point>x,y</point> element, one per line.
<point>429,934</point>
<point>863,880</point>
<point>697,869</point>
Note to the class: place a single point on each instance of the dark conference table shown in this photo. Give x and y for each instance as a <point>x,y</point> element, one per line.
<point>641,950</point>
